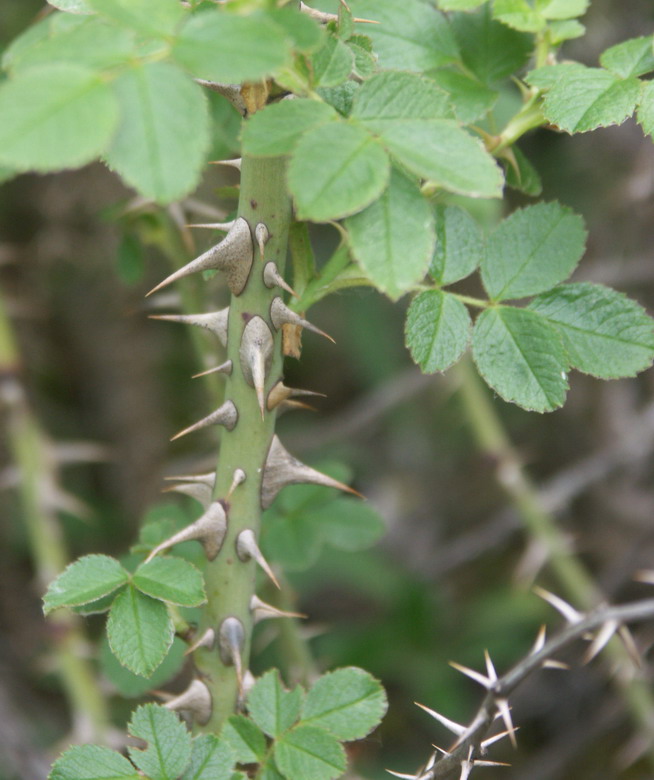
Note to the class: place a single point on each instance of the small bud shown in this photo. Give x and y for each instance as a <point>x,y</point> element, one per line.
<point>247,548</point>
<point>223,368</point>
<point>215,321</point>
<point>196,699</point>
<point>256,353</point>
<point>272,278</point>
<point>262,237</point>
<point>226,415</point>
<point>280,315</point>
<point>262,611</point>
<point>209,530</point>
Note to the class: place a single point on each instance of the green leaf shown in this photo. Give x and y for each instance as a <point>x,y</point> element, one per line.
<point>365,62</point>
<point>634,57</point>
<point>132,685</point>
<point>140,631</point>
<point>152,17</point>
<point>390,98</point>
<point>565,30</point>
<point>97,607</point>
<point>292,540</point>
<point>519,15</point>
<point>521,357</point>
<point>349,703</point>
<point>245,738</point>
<point>446,155</point>
<point>341,97</point>
<point>562,9</point>
<point>469,98</point>
<point>532,250</point>
<point>521,174</point>
<point>273,708</point>
<point>307,752</point>
<point>92,762</point>
<point>163,132</point>
<point>60,116</point>
<point>604,333</point>
<point>410,35</point>
<point>277,128</point>
<point>581,99</point>
<point>220,46</point>
<point>83,581</point>
<point>305,34</point>
<point>171,579</point>
<point>489,49</point>
<point>169,743</point>
<point>348,524</point>
<point>393,239</point>
<point>646,108</point>
<point>459,245</point>
<point>460,5</point>
<point>332,63</point>
<point>73,6</point>
<point>211,759</point>
<point>336,170</point>
<point>437,330</point>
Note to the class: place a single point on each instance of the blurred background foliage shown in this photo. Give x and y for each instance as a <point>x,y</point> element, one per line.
<point>453,573</point>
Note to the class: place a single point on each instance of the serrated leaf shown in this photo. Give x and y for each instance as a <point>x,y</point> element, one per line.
<point>581,99</point>
<point>604,333</point>
<point>469,98</point>
<point>163,132</point>
<point>307,752</point>
<point>271,706</point>
<point>211,759</point>
<point>348,524</point>
<point>169,743</point>
<point>277,128</point>
<point>92,762</point>
<point>245,738</point>
<point>410,35</point>
<point>332,63</point>
<point>460,5</point>
<point>171,579</point>
<point>132,685</point>
<point>519,15</point>
<point>305,33</point>
<point>521,174</point>
<point>562,9</point>
<point>490,49</point>
<point>140,631</point>
<point>84,581</point>
<point>634,57</point>
<point>336,170</point>
<point>54,117</point>
<point>459,245</point>
<point>437,330</point>
<point>532,251</point>
<point>565,30</point>
<point>393,238</point>
<point>348,703</point>
<point>521,357</point>
<point>392,97</point>
<point>249,49</point>
<point>646,108</point>
<point>152,17</point>
<point>72,6</point>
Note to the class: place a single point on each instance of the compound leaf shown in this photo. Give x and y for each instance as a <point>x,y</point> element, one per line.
<point>273,708</point>
<point>171,579</point>
<point>309,752</point>
<point>521,357</point>
<point>604,333</point>
<point>393,238</point>
<point>92,762</point>
<point>392,97</point>
<point>169,743</point>
<point>277,128</point>
<point>84,581</point>
<point>437,330</point>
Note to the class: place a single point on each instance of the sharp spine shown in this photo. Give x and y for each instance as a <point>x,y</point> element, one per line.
<point>224,226</point>
<point>272,278</point>
<point>224,368</point>
<point>238,478</point>
<point>283,469</point>
<point>256,353</point>
<point>215,321</point>
<point>201,493</point>
<point>226,415</point>
<point>456,728</point>
<point>262,237</point>
<point>195,699</point>
<point>280,393</point>
<point>231,640</point>
<point>262,611</point>
<point>207,640</point>
<point>280,315</point>
<point>247,548</point>
<point>233,255</point>
<point>235,163</point>
<point>209,529</point>
<point>230,91</point>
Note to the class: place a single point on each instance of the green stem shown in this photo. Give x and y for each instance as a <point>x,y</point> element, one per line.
<point>575,581</point>
<point>230,582</point>
<point>528,118</point>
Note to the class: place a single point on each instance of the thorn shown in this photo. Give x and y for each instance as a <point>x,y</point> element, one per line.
<point>492,740</point>
<point>230,91</point>
<point>206,640</point>
<point>262,611</point>
<point>215,321</point>
<point>280,393</point>
<point>201,493</point>
<point>321,16</point>
<point>280,315</point>
<point>490,669</point>
<point>602,638</point>
<point>552,664</point>
<point>455,728</point>
<point>196,699</point>
<point>238,478</point>
<point>630,644</point>
<point>476,676</point>
<point>235,163</point>
<point>272,278</point>
<point>289,406</point>
<point>262,237</point>
<point>233,255</point>
<point>205,479</point>
<point>283,469</point>
<point>209,529</point>
<point>505,711</point>
<point>539,644</point>
<point>256,353</point>
<point>224,226</point>
<point>231,639</point>
<point>247,548</point>
<point>226,415</point>
<point>223,368</point>
<point>402,775</point>
<point>567,610</point>
<point>645,575</point>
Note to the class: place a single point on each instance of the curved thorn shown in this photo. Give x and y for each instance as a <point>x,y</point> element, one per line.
<point>195,699</point>
<point>238,478</point>
<point>215,321</point>
<point>206,479</point>
<point>224,226</point>
<point>280,315</point>
<point>485,682</point>
<point>262,611</point>
<point>247,548</point>
<point>505,711</point>
<point>201,493</point>
<point>230,91</point>
<point>206,640</point>
<point>231,639</point>
<point>272,278</point>
<point>226,415</point>
<point>455,728</point>
<point>280,393</point>
<point>235,163</point>
<point>223,368</point>
<point>209,529</point>
<point>256,353</point>
<point>567,610</point>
